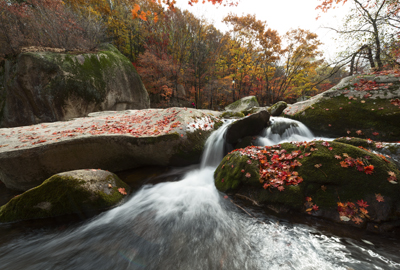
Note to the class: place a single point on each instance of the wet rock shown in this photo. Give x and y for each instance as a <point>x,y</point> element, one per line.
<point>248,126</point>
<point>113,141</point>
<point>330,180</point>
<point>359,106</point>
<point>82,192</point>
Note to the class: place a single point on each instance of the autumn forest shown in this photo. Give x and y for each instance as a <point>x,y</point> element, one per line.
<point>184,60</point>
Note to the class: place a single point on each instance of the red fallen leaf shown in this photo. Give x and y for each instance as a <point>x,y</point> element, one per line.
<point>364,211</point>
<point>338,157</point>
<point>362,203</point>
<point>248,175</point>
<point>307,154</point>
<point>315,207</point>
<point>348,132</point>
<point>375,133</point>
<point>344,164</point>
<point>122,191</point>
<point>281,188</point>
<point>359,132</point>
<point>395,102</point>
<point>379,197</point>
<point>242,170</point>
<point>369,169</point>
<point>308,199</point>
<point>226,197</point>
<point>357,220</point>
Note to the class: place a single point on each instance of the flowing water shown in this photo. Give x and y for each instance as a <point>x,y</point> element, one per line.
<point>188,224</point>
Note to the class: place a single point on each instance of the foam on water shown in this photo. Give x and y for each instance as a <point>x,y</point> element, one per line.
<point>185,225</point>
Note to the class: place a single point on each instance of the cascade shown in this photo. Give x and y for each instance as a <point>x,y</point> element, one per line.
<point>284,130</point>
<point>188,224</point>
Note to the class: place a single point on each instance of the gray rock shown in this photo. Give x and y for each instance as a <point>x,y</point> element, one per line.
<point>247,126</point>
<point>243,104</point>
<point>362,106</point>
<point>41,87</point>
<point>277,108</point>
<point>76,192</point>
<point>112,141</point>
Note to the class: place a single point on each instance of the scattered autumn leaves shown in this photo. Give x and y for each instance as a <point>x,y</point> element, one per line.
<point>138,124</point>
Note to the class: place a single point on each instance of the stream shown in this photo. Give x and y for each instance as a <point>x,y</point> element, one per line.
<point>187,224</point>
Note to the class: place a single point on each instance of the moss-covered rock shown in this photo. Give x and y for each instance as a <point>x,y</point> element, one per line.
<point>358,106</point>
<point>243,104</point>
<point>277,108</point>
<point>366,143</point>
<point>48,86</point>
<point>230,114</point>
<point>315,178</point>
<point>81,192</point>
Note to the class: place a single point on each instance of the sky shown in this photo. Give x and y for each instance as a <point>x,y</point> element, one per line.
<point>281,15</point>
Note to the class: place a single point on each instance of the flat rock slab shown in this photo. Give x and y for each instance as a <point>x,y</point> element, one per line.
<point>111,141</point>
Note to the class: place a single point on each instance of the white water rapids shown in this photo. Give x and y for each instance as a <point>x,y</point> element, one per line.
<point>188,225</point>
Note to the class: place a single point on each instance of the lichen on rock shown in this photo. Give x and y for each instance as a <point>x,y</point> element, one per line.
<point>49,86</point>
<point>243,104</point>
<point>315,178</point>
<point>81,192</point>
<point>358,106</point>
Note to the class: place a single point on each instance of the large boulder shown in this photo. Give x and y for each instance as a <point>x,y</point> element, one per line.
<point>331,180</point>
<point>113,141</point>
<point>363,106</point>
<point>243,104</point>
<point>277,108</point>
<point>47,86</point>
<point>248,126</point>
<point>81,192</point>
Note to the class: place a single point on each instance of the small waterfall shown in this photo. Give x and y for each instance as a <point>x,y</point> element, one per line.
<point>214,147</point>
<point>284,130</point>
<point>187,224</point>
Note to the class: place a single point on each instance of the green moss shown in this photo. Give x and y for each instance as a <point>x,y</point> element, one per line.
<point>356,142</point>
<point>245,103</point>
<point>229,175</point>
<point>60,195</point>
<point>335,117</point>
<point>231,114</point>
<point>277,108</point>
<point>326,185</point>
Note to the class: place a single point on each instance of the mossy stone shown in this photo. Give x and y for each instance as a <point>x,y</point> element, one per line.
<point>76,192</point>
<point>231,114</point>
<point>327,184</point>
<point>243,104</point>
<point>336,116</point>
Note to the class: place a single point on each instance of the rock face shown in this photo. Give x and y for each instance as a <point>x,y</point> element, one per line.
<point>46,86</point>
<point>248,126</point>
<point>75,192</point>
<point>277,108</point>
<point>112,141</point>
<point>362,106</point>
<point>331,180</point>
<point>243,104</point>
